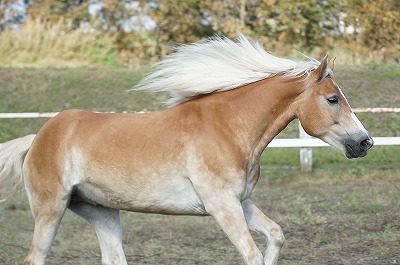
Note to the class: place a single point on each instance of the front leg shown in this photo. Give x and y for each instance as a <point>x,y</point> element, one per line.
<point>258,222</point>
<point>228,212</point>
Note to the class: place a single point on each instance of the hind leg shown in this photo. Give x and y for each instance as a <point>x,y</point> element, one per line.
<point>108,228</point>
<point>47,213</point>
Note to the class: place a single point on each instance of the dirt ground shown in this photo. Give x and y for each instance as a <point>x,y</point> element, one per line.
<point>341,222</point>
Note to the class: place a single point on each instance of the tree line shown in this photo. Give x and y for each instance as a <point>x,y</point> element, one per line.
<point>149,28</point>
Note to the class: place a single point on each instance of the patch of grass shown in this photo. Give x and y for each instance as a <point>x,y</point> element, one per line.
<point>330,167</point>
<point>391,72</point>
<point>47,90</point>
<point>43,44</point>
<point>373,65</point>
<point>13,128</point>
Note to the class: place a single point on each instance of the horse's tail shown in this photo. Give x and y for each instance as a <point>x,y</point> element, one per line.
<point>12,156</point>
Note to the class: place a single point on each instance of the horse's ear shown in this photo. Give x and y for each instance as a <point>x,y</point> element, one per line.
<point>331,63</point>
<point>319,73</point>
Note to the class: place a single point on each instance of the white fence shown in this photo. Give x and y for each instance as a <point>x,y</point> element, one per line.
<point>305,142</point>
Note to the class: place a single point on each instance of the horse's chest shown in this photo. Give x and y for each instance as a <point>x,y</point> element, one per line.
<point>252,176</point>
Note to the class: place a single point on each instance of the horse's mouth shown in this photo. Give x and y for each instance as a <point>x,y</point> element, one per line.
<point>351,153</point>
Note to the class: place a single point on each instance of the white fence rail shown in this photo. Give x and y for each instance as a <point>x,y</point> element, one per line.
<point>29,115</point>
<point>315,142</point>
<point>305,142</point>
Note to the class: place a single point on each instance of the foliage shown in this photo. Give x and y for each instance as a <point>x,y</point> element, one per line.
<point>135,48</point>
<point>10,13</point>
<point>312,26</point>
<point>226,17</point>
<point>376,26</point>
<point>302,24</point>
<point>72,12</point>
<point>176,22</point>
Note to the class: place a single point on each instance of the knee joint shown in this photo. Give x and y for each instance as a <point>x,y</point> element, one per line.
<point>277,236</point>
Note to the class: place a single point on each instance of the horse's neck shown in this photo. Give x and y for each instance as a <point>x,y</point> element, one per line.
<point>264,109</point>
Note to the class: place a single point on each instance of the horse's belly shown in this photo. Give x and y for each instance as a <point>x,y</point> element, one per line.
<point>165,195</point>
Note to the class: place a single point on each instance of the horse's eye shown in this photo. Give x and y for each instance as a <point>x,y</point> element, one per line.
<point>333,100</point>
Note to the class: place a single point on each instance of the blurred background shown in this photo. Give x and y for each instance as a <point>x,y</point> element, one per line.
<point>61,33</point>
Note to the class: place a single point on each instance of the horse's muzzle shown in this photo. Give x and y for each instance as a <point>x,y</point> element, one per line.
<point>358,148</point>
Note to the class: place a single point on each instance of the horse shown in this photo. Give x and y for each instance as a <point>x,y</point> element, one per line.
<point>200,156</point>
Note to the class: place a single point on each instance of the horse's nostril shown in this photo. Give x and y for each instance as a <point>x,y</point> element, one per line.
<point>366,144</point>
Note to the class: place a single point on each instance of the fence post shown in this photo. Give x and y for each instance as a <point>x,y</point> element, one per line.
<point>305,152</point>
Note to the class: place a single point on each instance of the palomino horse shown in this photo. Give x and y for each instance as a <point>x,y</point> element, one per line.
<point>201,156</point>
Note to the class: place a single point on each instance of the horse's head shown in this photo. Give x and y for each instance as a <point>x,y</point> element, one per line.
<point>324,112</point>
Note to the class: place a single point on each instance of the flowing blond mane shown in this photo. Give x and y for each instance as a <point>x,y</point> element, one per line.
<point>215,65</point>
